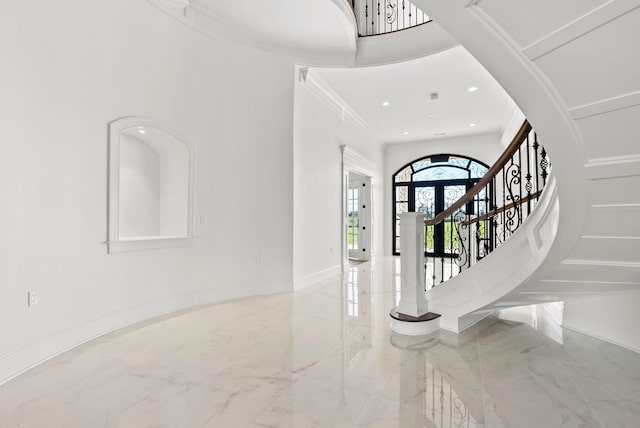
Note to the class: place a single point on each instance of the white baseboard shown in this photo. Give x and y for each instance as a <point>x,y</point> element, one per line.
<point>605,339</point>
<point>314,278</point>
<point>22,359</point>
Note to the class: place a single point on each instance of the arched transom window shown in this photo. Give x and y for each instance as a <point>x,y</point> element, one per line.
<point>430,185</point>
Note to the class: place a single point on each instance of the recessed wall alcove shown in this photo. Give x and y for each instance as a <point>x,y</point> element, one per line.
<point>150,186</point>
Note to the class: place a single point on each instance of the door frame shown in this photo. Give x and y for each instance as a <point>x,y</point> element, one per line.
<point>354,162</point>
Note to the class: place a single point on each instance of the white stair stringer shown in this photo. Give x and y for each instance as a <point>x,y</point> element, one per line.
<point>573,71</point>
<point>503,271</point>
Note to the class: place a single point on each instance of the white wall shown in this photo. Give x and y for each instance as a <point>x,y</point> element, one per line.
<point>68,69</point>
<point>613,318</point>
<point>320,129</point>
<point>174,189</point>
<point>139,189</point>
<point>483,147</point>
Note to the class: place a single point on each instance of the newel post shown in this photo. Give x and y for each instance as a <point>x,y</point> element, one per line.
<point>413,301</point>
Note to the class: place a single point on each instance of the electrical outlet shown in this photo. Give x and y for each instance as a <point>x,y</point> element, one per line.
<point>33,298</point>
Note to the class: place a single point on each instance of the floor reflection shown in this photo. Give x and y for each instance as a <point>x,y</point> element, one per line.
<point>358,323</point>
<point>325,356</point>
<point>429,395</point>
<point>546,318</point>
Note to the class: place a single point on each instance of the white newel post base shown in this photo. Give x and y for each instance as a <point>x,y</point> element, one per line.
<point>412,316</point>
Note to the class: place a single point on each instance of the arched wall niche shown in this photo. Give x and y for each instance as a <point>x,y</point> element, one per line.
<point>150,186</point>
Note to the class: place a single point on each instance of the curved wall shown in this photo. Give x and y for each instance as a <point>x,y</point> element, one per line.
<point>69,69</point>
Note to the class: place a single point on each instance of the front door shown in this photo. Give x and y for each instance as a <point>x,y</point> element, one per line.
<point>431,198</point>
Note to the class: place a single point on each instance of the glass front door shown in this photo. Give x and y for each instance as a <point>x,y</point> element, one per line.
<point>431,199</point>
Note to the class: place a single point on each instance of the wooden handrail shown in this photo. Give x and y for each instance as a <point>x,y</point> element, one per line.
<point>501,209</point>
<point>488,177</point>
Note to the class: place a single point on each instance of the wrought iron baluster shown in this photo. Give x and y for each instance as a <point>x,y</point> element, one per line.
<point>366,18</point>
<point>536,146</point>
<point>504,202</point>
<point>528,186</point>
<point>544,164</point>
<point>520,184</point>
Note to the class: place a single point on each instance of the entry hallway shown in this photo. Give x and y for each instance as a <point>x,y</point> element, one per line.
<point>325,357</point>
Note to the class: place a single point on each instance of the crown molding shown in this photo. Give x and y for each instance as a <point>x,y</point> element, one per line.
<point>213,27</point>
<point>323,92</point>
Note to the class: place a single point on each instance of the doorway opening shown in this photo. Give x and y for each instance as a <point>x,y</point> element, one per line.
<point>358,216</point>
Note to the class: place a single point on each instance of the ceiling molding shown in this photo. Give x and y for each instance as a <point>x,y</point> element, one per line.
<point>215,28</point>
<point>323,92</point>
<point>355,161</point>
<point>581,26</point>
<point>605,106</point>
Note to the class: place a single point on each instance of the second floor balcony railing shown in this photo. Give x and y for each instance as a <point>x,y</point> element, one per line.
<point>386,16</point>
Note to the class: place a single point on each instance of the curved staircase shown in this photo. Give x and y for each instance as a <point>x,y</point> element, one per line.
<point>573,71</point>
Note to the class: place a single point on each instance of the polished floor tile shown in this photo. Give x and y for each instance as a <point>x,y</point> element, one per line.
<point>326,357</point>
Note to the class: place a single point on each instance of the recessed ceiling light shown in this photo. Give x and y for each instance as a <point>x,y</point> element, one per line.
<point>141,130</point>
<point>406,133</point>
<point>472,89</point>
<point>386,103</point>
<point>432,115</point>
<point>472,125</point>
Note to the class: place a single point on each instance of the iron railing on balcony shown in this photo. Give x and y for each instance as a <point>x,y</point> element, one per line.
<point>491,211</point>
<point>386,16</point>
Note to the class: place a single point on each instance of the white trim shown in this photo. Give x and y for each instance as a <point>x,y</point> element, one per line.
<point>545,85</point>
<point>354,161</point>
<point>585,24</point>
<point>213,27</point>
<point>617,166</point>
<point>608,263</point>
<point>415,328</point>
<point>576,281</point>
<point>130,245</point>
<point>316,277</point>
<point>22,359</point>
<point>630,238</point>
<point>597,336</point>
<point>114,243</point>
<point>620,102</point>
<point>405,45</point>
<point>323,92</point>
<point>615,207</point>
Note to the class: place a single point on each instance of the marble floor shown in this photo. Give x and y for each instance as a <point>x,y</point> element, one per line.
<point>325,357</point>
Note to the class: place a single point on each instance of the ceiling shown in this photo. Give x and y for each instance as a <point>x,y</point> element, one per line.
<point>309,25</point>
<point>411,114</point>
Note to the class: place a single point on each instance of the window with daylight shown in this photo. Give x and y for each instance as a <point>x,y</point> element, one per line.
<point>430,185</point>
<point>353,224</point>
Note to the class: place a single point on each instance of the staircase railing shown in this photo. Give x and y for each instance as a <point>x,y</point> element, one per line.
<point>386,16</point>
<point>491,211</point>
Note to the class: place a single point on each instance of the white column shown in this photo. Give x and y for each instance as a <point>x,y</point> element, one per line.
<point>413,301</point>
